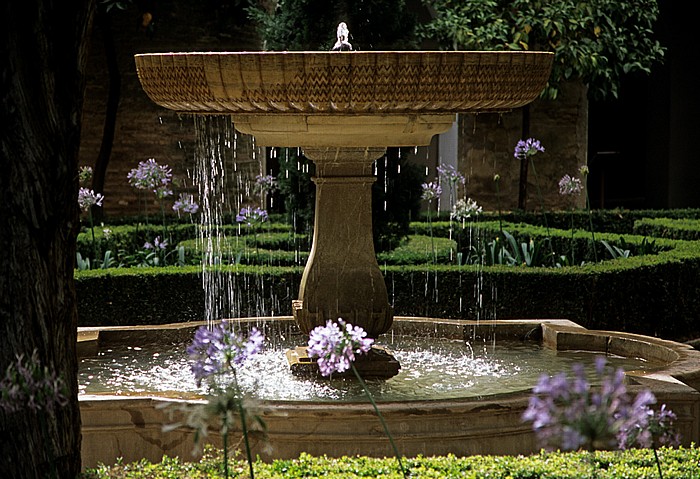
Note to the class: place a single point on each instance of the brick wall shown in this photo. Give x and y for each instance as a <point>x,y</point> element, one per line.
<point>144,130</point>
<point>487,142</point>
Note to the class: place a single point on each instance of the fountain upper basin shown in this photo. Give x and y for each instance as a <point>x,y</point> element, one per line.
<point>321,99</point>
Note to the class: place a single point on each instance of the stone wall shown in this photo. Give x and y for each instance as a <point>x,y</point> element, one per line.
<point>144,130</point>
<point>487,142</point>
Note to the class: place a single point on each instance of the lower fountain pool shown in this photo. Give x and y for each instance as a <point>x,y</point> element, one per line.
<point>462,388</point>
<point>431,369</point>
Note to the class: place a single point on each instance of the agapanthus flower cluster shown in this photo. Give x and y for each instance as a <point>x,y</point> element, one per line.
<point>251,216</point>
<point>569,413</point>
<point>87,198</point>
<point>570,186</point>
<point>156,245</point>
<point>431,191</point>
<point>28,384</point>
<point>465,209</point>
<point>85,174</point>
<point>336,344</point>
<point>450,174</point>
<point>186,204</point>
<point>149,175</point>
<point>654,429</point>
<point>527,148</point>
<point>266,183</point>
<point>219,349</point>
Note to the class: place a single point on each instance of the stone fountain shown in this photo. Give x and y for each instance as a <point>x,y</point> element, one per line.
<point>343,109</point>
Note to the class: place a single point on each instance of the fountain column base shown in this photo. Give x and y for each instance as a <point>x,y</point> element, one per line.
<point>342,278</point>
<point>377,363</point>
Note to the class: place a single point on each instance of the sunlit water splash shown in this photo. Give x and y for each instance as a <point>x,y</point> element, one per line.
<point>432,368</point>
<point>215,146</point>
<point>226,164</point>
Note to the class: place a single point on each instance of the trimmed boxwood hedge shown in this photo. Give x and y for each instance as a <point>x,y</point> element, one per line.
<point>676,463</point>
<point>685,229</point>
<point>619,221</point>
<point>656,295</point>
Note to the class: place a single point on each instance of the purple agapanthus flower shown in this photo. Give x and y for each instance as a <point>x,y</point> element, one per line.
<point>251,216</point>
<point>28,384</point>
<point>149,175</point>
<point>156,245</point>
<point>88,198</point>
<point>450,174</point>
<point>465,208</point>
<point>568,412</point>
<point>336,344</point>
<point>527,148</point>
<point>570,186</point>
<point>266,183</point>
<point>186,204</point>
<point>431,191</point>
<point>218,349</point>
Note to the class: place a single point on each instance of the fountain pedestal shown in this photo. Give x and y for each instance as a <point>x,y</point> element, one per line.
<point>342,278</point>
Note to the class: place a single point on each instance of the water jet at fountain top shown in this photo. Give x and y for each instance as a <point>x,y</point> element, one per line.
<point>343,110</point>
<point>342,43</point>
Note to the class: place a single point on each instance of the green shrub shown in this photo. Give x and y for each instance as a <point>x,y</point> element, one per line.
<point>655,291</point>
<point>418,249</point>
<point>684,229</point>
<point>676,463</point>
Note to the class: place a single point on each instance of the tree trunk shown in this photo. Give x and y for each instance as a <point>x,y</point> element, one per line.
<point>43,56</point>
<point>103,21</point>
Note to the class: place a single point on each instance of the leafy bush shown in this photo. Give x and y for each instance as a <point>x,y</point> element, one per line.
<point>677,463</point>
<point>685,228</point>
<point>654,291</point>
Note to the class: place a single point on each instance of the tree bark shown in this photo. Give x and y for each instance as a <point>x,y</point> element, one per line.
<point>103,21</point>
<point>42,56</point>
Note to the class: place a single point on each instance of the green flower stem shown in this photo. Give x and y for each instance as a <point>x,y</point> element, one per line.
<point>225,434</point>
<point>244,427</point>
<point>539,195</point>
<point>590,219</point>
<point>165,227</point>
<point>381,419</point>
<point>544,213</point>
<point>430,228</point>
<point>573,259</point>
<point>658,463</point>
<point>92,229</point>
<point>498,201</point>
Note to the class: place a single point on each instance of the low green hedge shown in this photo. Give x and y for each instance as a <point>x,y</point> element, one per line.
<point>126,240</point>
<point>657,295</point>
<point>132,296</point>
<point>676,463</point>
<point>618,221</point>
<point>685,229</point>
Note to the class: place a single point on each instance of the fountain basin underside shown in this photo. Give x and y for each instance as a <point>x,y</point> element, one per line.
<point>130,426</point>
<point>331,99</point>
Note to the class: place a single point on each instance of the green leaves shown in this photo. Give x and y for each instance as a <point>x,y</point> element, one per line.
<point>597,41</point>
<point>678,463</point>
